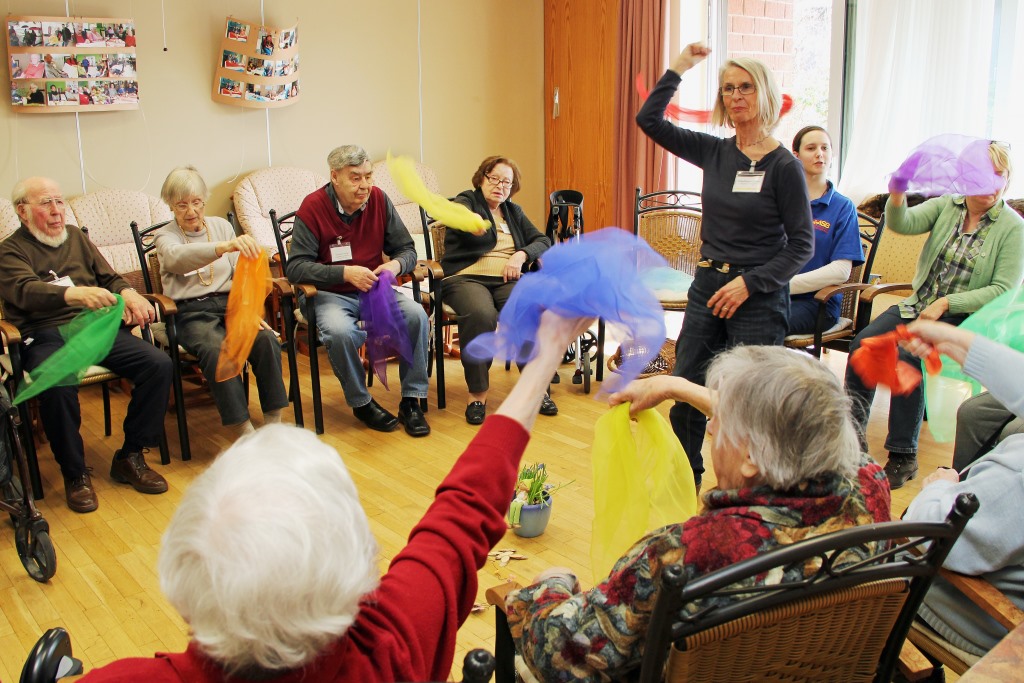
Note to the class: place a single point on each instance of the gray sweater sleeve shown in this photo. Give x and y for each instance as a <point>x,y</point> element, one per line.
<point>999,368</point>
<point>303,267</point>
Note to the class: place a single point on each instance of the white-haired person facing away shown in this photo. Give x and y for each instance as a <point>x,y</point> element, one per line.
<point>270,559</point>
<point>788,467</point>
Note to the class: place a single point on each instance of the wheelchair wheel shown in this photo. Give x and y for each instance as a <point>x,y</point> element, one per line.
<point>35,549</point>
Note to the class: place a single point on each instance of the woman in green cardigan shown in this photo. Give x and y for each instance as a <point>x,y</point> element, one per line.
<point>974,253</point>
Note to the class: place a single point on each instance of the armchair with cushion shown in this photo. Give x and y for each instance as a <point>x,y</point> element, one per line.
<point>107,215</point>
<point>277,187</point>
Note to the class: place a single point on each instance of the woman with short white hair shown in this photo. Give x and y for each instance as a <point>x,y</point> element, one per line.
<point>788,466</point>
<point>198,255</point>
<point>270,559</point>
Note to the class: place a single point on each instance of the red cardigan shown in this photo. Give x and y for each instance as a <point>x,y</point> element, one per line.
<point>405,630</point>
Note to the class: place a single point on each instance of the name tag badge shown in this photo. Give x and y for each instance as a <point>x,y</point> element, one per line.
<point>748,181</point>
<point>63,282</point>
<point>341,251</point>
<point>504,228</point>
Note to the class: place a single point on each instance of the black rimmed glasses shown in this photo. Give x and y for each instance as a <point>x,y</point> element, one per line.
<point>742,88</point>
<point>498,182</point>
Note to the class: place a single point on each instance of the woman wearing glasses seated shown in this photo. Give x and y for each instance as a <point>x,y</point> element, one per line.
<point>837,246</point>
<point>756,226</point>
<point>481,270</point>
<point>974,253</point>
<point>197,262</point>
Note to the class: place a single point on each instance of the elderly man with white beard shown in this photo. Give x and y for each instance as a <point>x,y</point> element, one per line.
<point>51,272</point>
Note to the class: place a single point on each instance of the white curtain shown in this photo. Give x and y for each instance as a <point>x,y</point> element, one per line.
<point>922,68</point>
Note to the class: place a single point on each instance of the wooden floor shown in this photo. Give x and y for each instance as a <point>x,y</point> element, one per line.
<point>106,590</point>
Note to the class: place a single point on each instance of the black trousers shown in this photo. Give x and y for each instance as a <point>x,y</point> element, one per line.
<point>145,366</point>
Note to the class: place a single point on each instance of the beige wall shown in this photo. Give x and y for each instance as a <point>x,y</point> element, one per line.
<point>482,70</point>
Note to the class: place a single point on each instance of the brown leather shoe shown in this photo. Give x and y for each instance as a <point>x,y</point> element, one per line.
<point>132,469</point>
<point>80,494</point>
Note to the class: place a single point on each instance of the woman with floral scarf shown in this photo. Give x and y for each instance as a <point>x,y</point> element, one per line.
<point>788,466</point>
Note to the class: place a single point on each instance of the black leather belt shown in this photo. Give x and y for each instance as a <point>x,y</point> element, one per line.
<point>723,267</point>
<point>201,298</point>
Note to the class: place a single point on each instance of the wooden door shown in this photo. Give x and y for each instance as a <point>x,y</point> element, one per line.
<point>580,54</point>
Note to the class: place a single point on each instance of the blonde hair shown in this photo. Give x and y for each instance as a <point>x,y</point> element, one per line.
<point>999,153</point>
<point>769,98</point>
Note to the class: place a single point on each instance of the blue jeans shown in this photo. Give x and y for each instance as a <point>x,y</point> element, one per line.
<point>905,412</point>
<point>337,323</point>
<point>803,317</point>
<point>761,320</point>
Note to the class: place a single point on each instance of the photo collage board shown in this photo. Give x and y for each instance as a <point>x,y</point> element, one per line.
<point>257,66</point>
<point>68,64</point>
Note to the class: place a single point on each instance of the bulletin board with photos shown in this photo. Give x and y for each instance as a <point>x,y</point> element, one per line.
<point>67,64</point>
<point>257,66</point>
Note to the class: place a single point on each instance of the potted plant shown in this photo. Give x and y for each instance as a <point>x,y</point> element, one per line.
<point>530,510</point>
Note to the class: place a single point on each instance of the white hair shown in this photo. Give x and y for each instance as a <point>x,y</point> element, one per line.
<point>270,552</point>
<point>789,410</point>
<point>182,183</point>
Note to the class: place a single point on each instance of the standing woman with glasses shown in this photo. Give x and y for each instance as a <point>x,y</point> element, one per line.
<point>481,270</point>
<point>756,227</point>
<point>197,263</point>
<point>974,253</point>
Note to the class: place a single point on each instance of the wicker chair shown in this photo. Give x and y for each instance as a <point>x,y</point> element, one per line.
<point>839,335</point>
<point>844,622</point>
<point>670,222</point>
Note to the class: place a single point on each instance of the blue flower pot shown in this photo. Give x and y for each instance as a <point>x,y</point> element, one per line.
<point>533,519</point>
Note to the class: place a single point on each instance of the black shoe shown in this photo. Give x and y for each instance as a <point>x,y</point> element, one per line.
<point>410,415</point>
<point>548,407</point>
<point>375,417</point>
<point>900,469</point>
<point>476,412</point>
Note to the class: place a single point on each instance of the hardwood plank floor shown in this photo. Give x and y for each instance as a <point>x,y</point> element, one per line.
<point>106,591</point>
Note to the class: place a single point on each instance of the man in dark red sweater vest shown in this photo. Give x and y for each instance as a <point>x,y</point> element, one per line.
<point>342,232</point>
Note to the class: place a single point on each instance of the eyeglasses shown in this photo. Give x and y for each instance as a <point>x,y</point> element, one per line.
<point>195,205</point>
<point>498,182</point>
<point>743,89</point>
<point>49,201</point>
<point>1000,143</point>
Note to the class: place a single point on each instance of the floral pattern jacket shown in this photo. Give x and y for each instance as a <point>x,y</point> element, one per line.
<point>565,634</point>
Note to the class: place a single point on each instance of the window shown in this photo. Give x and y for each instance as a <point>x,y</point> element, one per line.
<point>793,37</point>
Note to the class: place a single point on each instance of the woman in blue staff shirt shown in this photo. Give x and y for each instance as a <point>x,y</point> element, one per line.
<point>837,247</point>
